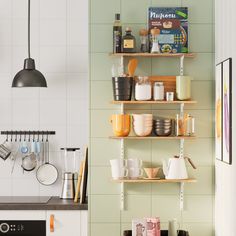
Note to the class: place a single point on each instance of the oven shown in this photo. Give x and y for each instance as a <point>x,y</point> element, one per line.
<point>23,227</point>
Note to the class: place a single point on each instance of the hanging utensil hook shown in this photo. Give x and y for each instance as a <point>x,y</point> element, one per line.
<point>7,137</point>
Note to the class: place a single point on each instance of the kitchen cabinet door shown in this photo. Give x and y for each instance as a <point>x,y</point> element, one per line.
<point>61,223</point>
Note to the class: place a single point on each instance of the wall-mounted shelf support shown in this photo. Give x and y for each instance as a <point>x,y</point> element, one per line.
<point>181,197</point>
<point>182,65</point>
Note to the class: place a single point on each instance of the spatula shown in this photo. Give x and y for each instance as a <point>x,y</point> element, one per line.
<point>132,65</point>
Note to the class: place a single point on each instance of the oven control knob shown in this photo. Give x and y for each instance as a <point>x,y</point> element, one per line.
<point>4,227</point>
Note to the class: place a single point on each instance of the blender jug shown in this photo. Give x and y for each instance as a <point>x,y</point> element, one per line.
<point>71,160</point>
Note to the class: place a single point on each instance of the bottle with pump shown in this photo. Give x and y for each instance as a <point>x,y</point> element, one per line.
<point>117,34</point>
<point>128,42</point>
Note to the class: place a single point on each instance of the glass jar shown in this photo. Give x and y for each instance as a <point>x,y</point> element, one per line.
<point>183,87</point>
<point>158,91</point>
<point>143,89</point>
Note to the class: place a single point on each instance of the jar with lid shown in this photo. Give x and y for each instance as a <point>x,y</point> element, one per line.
<point>143,89</point>
<point>158,91</point>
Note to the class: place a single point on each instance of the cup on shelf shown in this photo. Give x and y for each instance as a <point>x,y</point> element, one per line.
<point>120,124</point>
<point>142,124</point>
<point>135,168</point>
<point>119,168</point>
<point>183,87</point>
<point>122,88</point>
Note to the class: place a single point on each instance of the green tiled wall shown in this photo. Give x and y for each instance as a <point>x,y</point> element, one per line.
<point>106,219</point>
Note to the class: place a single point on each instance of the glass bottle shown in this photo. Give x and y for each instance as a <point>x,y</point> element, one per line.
<point>117,34</point>
<point>143,33</point>
<point>128,42</point>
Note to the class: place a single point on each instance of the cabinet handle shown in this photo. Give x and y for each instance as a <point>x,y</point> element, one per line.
<point>51,223</point>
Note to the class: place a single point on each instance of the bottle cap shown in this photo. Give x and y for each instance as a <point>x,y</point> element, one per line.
<point>117,16</point>
<point>128,29</point>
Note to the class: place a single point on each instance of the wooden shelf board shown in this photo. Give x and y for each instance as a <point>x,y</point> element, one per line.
<point>191,180</point>
<point>188,55</point>
<point>155,137</point>
<point>153,102</point>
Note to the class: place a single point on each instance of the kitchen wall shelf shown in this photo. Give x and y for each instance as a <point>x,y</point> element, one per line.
<point>155,180</point>
<point>153,102</point>
<point>155,137</point>
<point>178,55</point>
<point>181,56</point>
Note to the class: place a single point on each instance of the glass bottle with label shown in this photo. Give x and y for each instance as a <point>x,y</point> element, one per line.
<point>117,35</point>
<point>128,42</point>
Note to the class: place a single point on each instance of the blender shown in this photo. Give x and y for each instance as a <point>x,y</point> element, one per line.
<point>71,159</point>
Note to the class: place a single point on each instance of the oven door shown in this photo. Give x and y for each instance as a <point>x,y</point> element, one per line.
<point>23,228</point>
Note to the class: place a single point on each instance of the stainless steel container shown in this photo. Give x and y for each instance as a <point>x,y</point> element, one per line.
<point>68,188</point>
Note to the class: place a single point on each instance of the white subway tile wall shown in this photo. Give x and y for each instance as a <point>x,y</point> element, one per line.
<point>59,45</point>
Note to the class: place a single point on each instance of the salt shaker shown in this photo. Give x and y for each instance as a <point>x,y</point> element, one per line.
<point>158,91</point>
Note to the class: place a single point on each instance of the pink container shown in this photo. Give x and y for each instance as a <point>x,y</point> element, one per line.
<point>153,226</point>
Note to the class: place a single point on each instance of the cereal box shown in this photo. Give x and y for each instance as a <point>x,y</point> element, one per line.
<point>173,25</point>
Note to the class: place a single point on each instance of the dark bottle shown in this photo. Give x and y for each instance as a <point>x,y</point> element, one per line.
<point>117,35</point>
<point>128,42</point>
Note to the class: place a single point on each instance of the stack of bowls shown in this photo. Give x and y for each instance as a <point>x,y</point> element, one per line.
<point>122,88</point>
<point>142,124</point>
<point>162,126</point>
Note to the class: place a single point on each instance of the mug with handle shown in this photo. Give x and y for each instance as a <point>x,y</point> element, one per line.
<point>119,172</point>
<point>135,173</point>
<point>120,124</point>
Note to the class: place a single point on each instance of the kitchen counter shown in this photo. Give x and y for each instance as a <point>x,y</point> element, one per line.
<point>39,203</point>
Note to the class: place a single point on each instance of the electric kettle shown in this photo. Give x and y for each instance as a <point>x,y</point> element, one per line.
<point>176,168</point>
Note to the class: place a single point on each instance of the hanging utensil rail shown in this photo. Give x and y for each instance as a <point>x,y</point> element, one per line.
<point>28,132</point>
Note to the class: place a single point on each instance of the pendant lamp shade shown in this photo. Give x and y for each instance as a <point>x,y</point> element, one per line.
<point>29,76</point>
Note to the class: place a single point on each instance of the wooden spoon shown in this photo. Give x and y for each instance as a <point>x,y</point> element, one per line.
<point>133,63</point>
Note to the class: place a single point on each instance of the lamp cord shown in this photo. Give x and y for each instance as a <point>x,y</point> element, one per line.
<point>29,28</point>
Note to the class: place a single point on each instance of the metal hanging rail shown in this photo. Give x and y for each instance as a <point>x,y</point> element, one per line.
<point>29,132</point>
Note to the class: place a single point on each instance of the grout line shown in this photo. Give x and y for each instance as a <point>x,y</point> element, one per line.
<point>66,70</point>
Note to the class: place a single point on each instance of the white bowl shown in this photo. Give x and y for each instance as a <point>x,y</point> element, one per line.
<point>142,131</point>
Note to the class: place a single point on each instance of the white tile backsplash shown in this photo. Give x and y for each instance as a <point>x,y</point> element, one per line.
<point>20,32</point>
<point>5,32</point>
<point>77,59</point>
<point>54,8</point>
<point>59,45</point>
<point>53,32</point>
<point>5,9</point>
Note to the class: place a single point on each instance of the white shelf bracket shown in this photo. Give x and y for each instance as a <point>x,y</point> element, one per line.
<point>122,187</point>
<point>181,197</point>
<point>181,148</point>
<point>182,65</point>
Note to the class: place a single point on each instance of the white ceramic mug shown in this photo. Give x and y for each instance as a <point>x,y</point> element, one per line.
<point>135,173</point>
<point>119,168</point>
<point>135,168</point>
<point>118,162</point>
<point>134,162</point>
<point>119,172</point>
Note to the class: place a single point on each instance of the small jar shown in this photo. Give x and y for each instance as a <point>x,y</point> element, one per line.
<point>158,91</point>
<point>143,89</point>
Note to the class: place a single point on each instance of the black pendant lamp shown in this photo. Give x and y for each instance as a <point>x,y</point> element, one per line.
<point>29,76</point>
